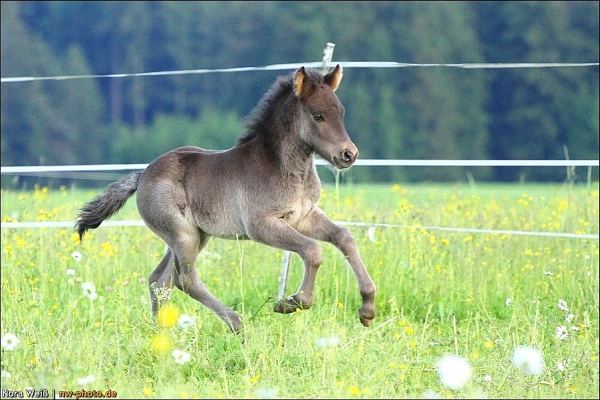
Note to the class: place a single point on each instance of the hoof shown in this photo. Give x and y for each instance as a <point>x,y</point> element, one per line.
<point>290,305</point>
<point>236,329</point>
<point>366,317</point>
<point>234,323</point>
<point>365,321</point>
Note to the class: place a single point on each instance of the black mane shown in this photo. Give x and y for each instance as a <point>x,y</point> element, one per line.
<point>257,121</point>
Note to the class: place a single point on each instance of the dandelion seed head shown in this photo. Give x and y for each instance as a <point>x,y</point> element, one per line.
<point>430,394</point>
<point>186,321</point>
<point>10,341</point>
<point>454,371</point>
<point>331,341</point>
<point>77,256</point>
<point>334,341</point>
<point>86,380</point>
<point>528,360</point>
<point>181,357</point>
<point>266,393</point>
<point>89,290</point>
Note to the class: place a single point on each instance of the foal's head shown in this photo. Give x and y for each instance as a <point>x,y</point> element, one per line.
<point>323,114</point>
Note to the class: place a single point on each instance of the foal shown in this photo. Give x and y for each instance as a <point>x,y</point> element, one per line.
<point>265,188</point>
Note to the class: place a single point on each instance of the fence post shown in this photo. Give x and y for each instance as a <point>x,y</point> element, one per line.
<point>285,267</point>
<point>327,56</point>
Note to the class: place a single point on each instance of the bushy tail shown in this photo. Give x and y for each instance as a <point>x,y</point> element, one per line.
<point>106,204</point>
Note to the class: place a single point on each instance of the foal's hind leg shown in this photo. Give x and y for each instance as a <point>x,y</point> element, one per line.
<point>161,281</point>
<point>185,248</point>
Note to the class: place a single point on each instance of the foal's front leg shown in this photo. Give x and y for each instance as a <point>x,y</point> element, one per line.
<point>318,226</point>
<point>278,233</point>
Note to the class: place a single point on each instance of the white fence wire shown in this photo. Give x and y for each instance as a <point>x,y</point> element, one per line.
<point>290,66</point>
<point>371,226</point>
<point>365,163</point>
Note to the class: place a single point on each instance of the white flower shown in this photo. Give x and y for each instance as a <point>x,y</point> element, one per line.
<point>266,393</point>
<point>562,333</point>
<point>185,321</point>
<point>6,374</point>
<point>454,371</point>
<point>549,273</point>
<point>430,394</point>
<point>70,272</point>
<point>181,357</point>
<point>10,341</point>
<point>89,290</point>
<point>528,360</point>
<point>76,256</point>
<point>561,366</point>
<point>569,318</point>
<point>86,380</point>
<point>487,378</point>
<point>562,305</point>
<point>575,328</point>
<point>508,302</point>
<point>331,341</point>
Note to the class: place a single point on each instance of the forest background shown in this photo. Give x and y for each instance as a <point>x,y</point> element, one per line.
<point>391,113</point>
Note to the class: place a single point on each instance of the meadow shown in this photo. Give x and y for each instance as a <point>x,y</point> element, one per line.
<point>75,316</point>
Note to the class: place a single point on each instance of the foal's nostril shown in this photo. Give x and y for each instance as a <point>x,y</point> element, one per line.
<point>347,156</point>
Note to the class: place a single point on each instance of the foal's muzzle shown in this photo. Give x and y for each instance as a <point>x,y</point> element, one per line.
<point>346,158</point>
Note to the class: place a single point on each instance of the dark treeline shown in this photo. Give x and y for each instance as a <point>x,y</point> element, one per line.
<point>394,113</point>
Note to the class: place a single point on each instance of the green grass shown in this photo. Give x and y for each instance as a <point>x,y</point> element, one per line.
<point>439,292</point>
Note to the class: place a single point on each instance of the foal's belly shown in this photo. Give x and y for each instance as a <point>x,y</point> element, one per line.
<point>220,222</point>
<point>223,232</point>
<point>225,224</point>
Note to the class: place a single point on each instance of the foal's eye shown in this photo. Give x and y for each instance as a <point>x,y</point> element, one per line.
<point>318,117</point>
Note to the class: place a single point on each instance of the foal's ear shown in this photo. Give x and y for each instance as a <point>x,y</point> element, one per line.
<point>334,78</point>
<point>301,86</point>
